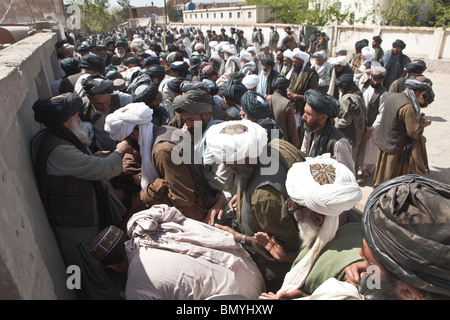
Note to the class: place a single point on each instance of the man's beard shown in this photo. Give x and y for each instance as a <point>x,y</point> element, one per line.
<point>307,231</point>
<point>375,85</point>
<point>75,127</point>
<point>266,74</point>
<point>298,68</point>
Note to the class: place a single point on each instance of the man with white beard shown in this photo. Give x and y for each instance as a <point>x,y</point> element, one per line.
<point>321,191</point>
<point>230,63</point>
<point>121,53</point>
<point>75,190</point>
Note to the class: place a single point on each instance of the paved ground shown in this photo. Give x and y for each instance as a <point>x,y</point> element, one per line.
<point>437,134</point>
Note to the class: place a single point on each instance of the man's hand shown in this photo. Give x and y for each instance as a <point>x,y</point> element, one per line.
<point>275,248</point>
<point>102,154</point>
<point>214,213</point>
<point>355,271</point>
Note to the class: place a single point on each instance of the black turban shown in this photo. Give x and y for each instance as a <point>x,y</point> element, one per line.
<point>399,43</point>
<point>416,66</point>
<point>94,85</point>
<point>280,83</point>
<point>121,43</point>
<point>151,61</point>
<point>57,110</point>
<point>132,60</point>
<point>175,84</point>
<point>255,105</point>
<point>182,68</point>
<point>405,224</point>
<point>93,62</point>
<point>84,48</point>
<point>194,85</point>
<point>417,83</point>
<point>233,90</point>
<point>359,45</point>
<point>146,92</point>
<point>322,102</point>
<point>346,82</point>
<point>70,66</point>
<point>156,72</point>
<point>377,39</point>
<point>109,41</point>
<point>268,61</point>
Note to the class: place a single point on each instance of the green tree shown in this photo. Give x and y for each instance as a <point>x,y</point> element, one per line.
<point>440,14</point>
<point>125,4</point>
<point>95,16</point>
<point>400,12</point>
<point>305,12</point>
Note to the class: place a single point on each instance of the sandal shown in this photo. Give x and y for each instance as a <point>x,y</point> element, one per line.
<point>362,178</point>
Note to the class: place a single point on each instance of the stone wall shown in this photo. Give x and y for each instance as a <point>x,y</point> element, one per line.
<point>31,266</point>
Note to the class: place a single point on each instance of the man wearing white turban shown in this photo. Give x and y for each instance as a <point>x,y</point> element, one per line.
<point>122,123</point>
<point>321,191</point>
<point>261,192</point>
<point>368,64</point>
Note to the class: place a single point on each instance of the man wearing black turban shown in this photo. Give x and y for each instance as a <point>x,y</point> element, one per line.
<point>415,67</point>
<point>75,189</point>
<point>122,52</point>
<point>394,61</point>
<point>320,134</point>
<point>232,91</point>
<point>405,241</point>
<point>100,100</point>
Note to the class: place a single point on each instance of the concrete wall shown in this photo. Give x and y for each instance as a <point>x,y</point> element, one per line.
<point>31,266</point>
<point>27,12</point>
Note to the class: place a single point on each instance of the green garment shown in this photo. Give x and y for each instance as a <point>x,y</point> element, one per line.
<point>300,83</point>
<point>339,253</point>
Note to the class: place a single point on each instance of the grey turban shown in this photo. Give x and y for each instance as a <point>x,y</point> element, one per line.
<point>96,85</point>
<point>156,72</point>
<point>280,83</point>
<point>399,43</point>
<point>322,102</point>
<point>233,90</point>
<point>70,66</point>
<point>268,61</point>
<point>405,224</point>
<point>194,101</point>
<point>255,105</point>
<point>417,83</point>
<point>175,84</point>
<point>345,82</point>
<point>146,92</point>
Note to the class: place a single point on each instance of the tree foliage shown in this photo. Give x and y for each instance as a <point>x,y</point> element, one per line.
<point>305,12</point>
<point>95,16</point>
<point>440,14</point>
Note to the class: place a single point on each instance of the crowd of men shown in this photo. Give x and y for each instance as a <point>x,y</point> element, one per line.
<point>212,166</point>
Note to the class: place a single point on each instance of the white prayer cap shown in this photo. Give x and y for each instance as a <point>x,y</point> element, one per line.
<point>250,81</point>
<point>297,53</point>
<point>368,53</point>
<point>339,61</point>
<point>246,56</point>
<point>120,124</point>
<point>323,185</point>
<point>288,54</point>
<point>233,141</point>
<point>151,53</point>
<point>230,49</point>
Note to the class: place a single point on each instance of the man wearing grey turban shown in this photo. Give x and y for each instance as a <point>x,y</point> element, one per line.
<point>232,91</point>
<point>400,134</point>
<point>406,247</point>
<point>320,134</point>
<point>100,100</point>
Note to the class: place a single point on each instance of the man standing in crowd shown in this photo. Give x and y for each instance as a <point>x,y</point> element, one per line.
<point>394,61</point>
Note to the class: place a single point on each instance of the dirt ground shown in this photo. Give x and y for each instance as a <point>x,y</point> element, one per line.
<point>437,135</point>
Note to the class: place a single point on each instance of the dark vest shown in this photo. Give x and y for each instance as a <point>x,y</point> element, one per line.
<point>336,135</point>
<point>374,103</point>
<point>68,84</point>
<point>391,134</point>
<point>69,201</point>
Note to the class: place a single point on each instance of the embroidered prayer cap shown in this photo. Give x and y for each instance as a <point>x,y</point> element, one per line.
<point>322,102</point>
<point>234,141</point>
<point>323,185</point>
<point>405,224</point>
<point>57,110</point>
<point>109,246</point>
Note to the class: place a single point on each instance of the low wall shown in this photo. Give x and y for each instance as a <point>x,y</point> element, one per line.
<point>31,266</point>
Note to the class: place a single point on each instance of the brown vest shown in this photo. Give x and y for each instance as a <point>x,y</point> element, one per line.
<point>391,134</point>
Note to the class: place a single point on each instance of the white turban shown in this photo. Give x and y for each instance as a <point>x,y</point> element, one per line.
<point>288,54</point>
<point>246,56</point>
<point>233,141</point>
<point>368,53</point>
<point>297,53</point>
<point>339,61</point>
<point>230,49</point>
<point>324,186</point>
<point>251,49</point>
<point>151,53</point>
<point>250,81</point>
<point>213,44</point>
<point>120,124</point>
<point>198,46</point>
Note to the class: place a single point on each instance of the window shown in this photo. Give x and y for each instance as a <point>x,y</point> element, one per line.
<point>221,15</point>
<point>239,15</point>
<point>249,14</point>
<point>214,15</point>
<point>230,15</point>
